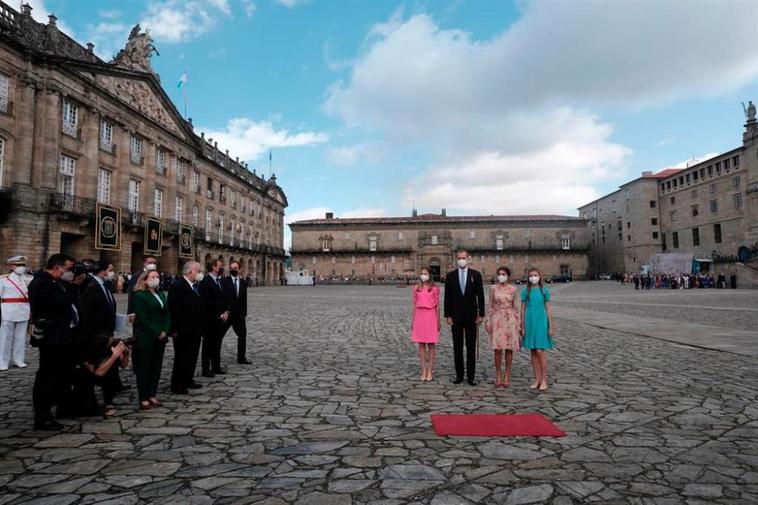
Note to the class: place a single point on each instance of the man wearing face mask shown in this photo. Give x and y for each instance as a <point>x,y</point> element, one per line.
<point>150,263</point>
<point>187,324</point>
<point>55,319</point>
<point>464,310</point>
<point>216,316</point>
<point>235,289</point>
<point>97,304</point>
<point>15,311</point>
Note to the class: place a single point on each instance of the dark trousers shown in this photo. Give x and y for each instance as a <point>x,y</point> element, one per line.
<point>186,350</point>
<point>109,383</point>
<point>211,354</point>
<point>460,330</point>
<point>52,384</point>
<point>148,363</point>
<point>238,325</point>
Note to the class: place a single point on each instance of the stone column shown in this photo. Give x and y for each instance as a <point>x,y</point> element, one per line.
<point>25,133</point>
<point>47,144</point>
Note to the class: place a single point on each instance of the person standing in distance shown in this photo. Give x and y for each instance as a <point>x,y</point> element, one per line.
<point>464,311</point>
<point>14,313</point>
<point>235,289</point>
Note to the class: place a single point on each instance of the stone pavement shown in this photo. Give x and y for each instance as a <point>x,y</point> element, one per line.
<point>332,412</point>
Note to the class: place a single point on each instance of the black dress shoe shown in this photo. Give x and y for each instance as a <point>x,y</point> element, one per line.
<point>473,383</point>
<point>124,387</point>
<point>49,425</point>
<point>179,391</point>
<point>194,385</point>
<point>457,381</point>
<point>219,371</point>
<point>244,361</point>
<point>210,375</point>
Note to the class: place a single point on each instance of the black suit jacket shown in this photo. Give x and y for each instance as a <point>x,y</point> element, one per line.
<point>238,303</point>
<point>51,301</point>
<point>464,307</point>
<point>98,317</point>
<point>214,301</point>
<point>186,308</point>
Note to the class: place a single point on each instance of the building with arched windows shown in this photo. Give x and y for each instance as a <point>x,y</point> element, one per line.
<point>76,131</point>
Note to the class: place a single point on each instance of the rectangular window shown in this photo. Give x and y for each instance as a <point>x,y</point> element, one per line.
<point>325,245</point>
<point>714,205</point>
<point>654,221</point>
<point>675,239</point>
<point>4,93</point>
<point>160,161</point>
<point>372,244</point>
<point>526,233</point>
<point>347,236</point>
<point>710,170</point>
<point>499,243</point>
<point>673,200</point>
<point>472,234</point>
<point>435,240</point>
<point>66,175</point>
<point>565,243</point>
<point>196,181</point>
<point>209,224</point>
<point>135,150</point>
<point>104,187</point>
<point>652,204</point>
<point>713,187</point>
<point>718,168</point>
<point>736,162</point>
<point>181,171</point>
<point>132,204</point>
<point>627,194</point>
<point>695,236</point>
<point>70,119</point>
<point>158,202</point>
<point>663,242</point>
<point>737,199</point>
<point>233,199</point>
<point>717,233</point>
<point>673,216</point>
<point>231,233</point>
<point>695,210</point>
<point>693,193</point>
<point>726,164</point>
<point>655,234</point>
<point>220,228</point>
<point>195,215</point>
<point>400,235</point>
<point>628,225</point>
<point>106,136</point>
<point>178,208</point>
<point>736,182</point>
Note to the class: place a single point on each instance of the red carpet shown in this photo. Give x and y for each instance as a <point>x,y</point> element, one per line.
<point>495,425</point>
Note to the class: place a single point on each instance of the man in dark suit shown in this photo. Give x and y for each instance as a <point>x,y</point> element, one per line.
<point>235,289</point>
<point>97,304</point>
<point>187,324</point>
<point>217,311</point>
<point>464,310</point>
<point>56,320</point>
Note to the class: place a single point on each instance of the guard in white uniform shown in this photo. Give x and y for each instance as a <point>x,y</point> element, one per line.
<point>15,311</point>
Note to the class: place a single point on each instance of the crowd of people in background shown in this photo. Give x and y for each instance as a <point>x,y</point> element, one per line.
<point>647,281</point>
<point>68,311</point>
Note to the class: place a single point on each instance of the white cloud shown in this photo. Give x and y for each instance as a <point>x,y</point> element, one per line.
<point>694,160</point>
<point>357,154</point>
<point>290,4</point>
<point>363,212</point>
<point>40,14</point>
<point>249,139</point>
<point>514,112</point>
<point>181,20</point>
<point>248,6</point>
<point>109,37</point>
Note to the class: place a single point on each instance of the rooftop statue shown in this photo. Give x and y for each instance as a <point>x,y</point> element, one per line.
<point>137,52</point>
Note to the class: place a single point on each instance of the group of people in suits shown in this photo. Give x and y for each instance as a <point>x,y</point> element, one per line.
<point>74,319</point>
<point>510,325</point>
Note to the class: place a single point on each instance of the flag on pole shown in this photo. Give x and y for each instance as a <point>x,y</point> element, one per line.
<point>182,80</point>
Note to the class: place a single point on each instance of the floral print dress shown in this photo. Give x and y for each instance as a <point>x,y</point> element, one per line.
<point>503,322</point>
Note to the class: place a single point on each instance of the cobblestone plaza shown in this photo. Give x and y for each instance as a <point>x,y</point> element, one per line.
<point>332,412</point>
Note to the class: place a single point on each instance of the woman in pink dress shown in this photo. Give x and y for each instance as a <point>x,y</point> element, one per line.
<point>503,323</point>
<point>425,322</point>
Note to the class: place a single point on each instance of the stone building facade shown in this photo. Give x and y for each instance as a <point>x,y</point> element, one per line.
<point>397,247</point>
<point>75,130</point>
<point>708,209</point>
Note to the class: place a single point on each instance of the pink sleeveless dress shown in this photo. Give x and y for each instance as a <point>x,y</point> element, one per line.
<point>426,306</point>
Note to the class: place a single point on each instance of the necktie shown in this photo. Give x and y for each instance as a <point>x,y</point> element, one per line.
<point>236,287</point>
<point>462,280</point>
<point>194,288</point>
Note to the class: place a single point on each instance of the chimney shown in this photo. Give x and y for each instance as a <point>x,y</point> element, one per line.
<point>202,135</point>
<point>90,47</point>
<point>414,213</point>
<point>52,20</point>
<point>444,212</point>
<point>647,173</point>
<point>26,9</point>
<point>330,215</point>
<point>189,120</point>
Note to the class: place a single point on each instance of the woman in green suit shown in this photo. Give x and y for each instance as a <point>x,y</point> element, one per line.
<point>152,321</point>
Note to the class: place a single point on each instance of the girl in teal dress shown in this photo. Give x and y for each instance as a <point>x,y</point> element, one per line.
<point>537,326</point>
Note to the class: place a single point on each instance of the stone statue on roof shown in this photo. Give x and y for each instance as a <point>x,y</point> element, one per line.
<point>137,52</point>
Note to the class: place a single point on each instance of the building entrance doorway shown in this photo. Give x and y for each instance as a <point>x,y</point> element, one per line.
<point>435,269</point>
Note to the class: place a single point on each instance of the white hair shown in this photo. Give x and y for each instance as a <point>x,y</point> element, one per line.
<point>189,266</point>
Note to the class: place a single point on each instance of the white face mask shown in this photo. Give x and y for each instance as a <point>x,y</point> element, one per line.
<point>110,275</point>
<point>462,263</point>
<point>150,267</point>
<point>153,283</point>
<point>67,276</point>
<point>502,279</point>
<point>534,279</point>
<point>423,277</point>
<point>20,270</point>
<point>199,276</point>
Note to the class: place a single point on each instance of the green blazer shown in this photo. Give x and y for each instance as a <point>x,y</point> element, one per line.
<point>151,318</point>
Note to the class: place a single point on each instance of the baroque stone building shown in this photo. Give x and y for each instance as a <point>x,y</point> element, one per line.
<point>76,130</point>
<point>708,209</point>
<point>397,247</point>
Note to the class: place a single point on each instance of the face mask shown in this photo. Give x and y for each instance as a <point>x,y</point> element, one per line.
<point>462,263</point>
<point>234,273</point>
<point>220,271</point>
<point>199,277</point>
<point>502,279</point>
<point>424,277</point>
<point>150,267</point>
<point>153,283</point>
<point>109,276</point>
<point>20,270</point>
<point>67,276</point>
<point>534,279</point>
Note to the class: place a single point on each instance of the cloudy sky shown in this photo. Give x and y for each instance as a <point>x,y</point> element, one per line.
<point>371,107</point>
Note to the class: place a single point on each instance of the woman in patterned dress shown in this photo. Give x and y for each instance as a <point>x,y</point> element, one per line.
<point>503,323</point>
<point>425,322</point>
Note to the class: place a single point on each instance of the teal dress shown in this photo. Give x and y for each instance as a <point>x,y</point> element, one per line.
<point>535,319</point>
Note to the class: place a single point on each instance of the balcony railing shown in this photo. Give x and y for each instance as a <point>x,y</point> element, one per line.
<point>181,179</point>
<point>160,169</point>
<point>6,107</point>
<point>136,157</point>
<point>62,202</point>
<point>134,218</point>
<point>71,129</point>
<point>107,147</point>
<point>209,194</point>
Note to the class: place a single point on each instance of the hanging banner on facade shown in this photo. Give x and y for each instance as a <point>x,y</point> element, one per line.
<point>153,236</point>
<point>186,241</point>
<point>107,228</point>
